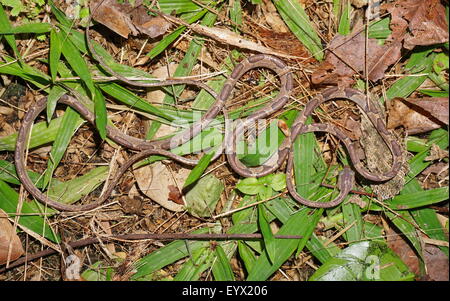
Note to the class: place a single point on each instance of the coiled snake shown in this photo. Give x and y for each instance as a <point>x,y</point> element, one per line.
<point>285,151</point>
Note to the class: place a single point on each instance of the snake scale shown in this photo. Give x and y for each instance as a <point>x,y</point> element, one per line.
<point>146,148</point>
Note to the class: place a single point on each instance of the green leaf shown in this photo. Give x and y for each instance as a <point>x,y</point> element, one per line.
<point>200,260</point>
<point>125,96</point>
<point>202,199</point>
<point>269,239</point>
<point>278,182</point>
<point>221,268</point>
<point>380,29</point>
<point>77,62</point>
<point>73,190</point>
<point>4,23</point>
<point>198,170</point>
<point>60,16</point>
<point>440,62</point>
<point>37,28</point>
<point>364,261</point>
<point>418,62</point>
<point>30,218</point>
<point>167,255</point>
<point>419,199</point>
<point>55,93</point>
<point>249,186</point>
<point>247,255</point>
<point>55,53</point>
<point>405,223</point>
<point>298,21</point>
<point>40,134</point>
<point>16,5</point>
<point>101,117</point>
<point>352,215</point>
<point>70,122</point>
<point>344,22</point>
<point>301,223</point>
<point>434,93</point>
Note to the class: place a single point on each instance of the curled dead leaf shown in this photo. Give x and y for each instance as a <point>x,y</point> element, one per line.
<point>417,116</point>
<point>418,22</point>
<point>346,56</point>
<point>124,18</point>
<point>8,239</point>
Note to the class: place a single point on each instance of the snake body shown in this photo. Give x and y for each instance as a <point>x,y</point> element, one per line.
<point>146,148</point>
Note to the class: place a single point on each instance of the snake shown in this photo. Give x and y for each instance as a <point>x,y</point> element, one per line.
<point>146,148</point>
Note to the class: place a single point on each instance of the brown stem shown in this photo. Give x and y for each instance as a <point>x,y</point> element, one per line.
<point>156,236</point>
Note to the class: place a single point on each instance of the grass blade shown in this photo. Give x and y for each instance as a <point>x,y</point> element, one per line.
<point>30,220</point>
<point>4,23</point>
<point>55,53</point>
<point>70,122</point>
<point>221,268</point>
<point>298,21</point>
<point>100,113</point>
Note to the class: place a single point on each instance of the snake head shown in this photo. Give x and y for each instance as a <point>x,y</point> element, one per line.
<point>346,179</point>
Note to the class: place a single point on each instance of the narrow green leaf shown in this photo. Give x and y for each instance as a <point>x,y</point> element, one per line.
<point>73,190</point>
<point>344,22</point>
<point>247,256</point>
<point>60,16</point>
<point>55,93</point>
<point>55,53</point>
<point>200,260</point>
<point>298,21</point>
<point>221,268</point>
<point>125,96</point>
<point>198,170</point>
<point>352,215</point>
<point>301,223</point>
<point>8,174</point>
<point>419,199</point>
<point>167,255</point>
<point>41,134</point>
<point>37,28</point>
<point>434,93</point>
<point>101,117</point>
<point>9,202</point>
<point>269,239</point>
<point>77,62</point>
<point>319,250</point>
<point>4,23</point>
<point>236,13</point>
<point>70,122</point>
<point>405,223</point>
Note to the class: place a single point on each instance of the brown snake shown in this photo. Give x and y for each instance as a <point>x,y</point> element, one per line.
<point>163,147</point>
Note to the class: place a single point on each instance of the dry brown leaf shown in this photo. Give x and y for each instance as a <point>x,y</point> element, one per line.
<point>416,119</point>
<point>418,22</point>
<point>125,19</point>
<point>436,263</point>
<point>437,107</point>
<point>346,56</point>
<point>399,245</point>
<point>8,237</point>
<point>155,181</point>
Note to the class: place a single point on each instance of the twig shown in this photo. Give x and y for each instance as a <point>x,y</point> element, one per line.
<point>133,237</point>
